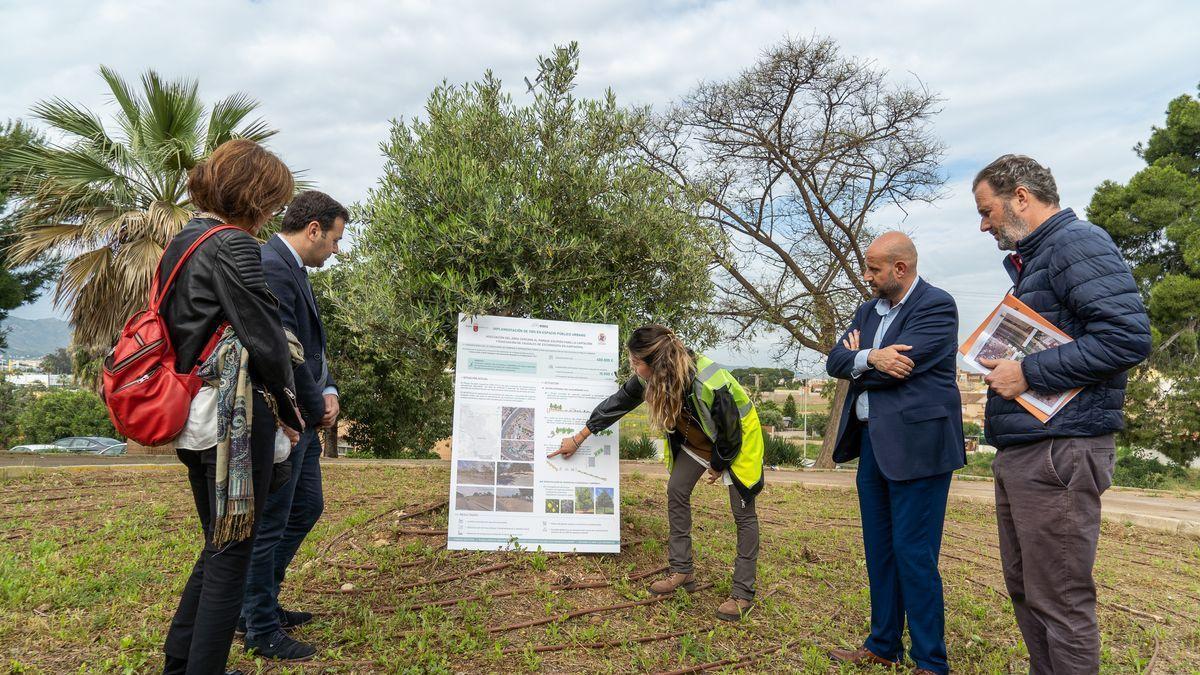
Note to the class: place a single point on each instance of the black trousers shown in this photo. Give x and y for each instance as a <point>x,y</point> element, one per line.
<point>202,631</point>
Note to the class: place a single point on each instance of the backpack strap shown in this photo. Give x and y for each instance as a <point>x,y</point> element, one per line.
<point>159,294</point>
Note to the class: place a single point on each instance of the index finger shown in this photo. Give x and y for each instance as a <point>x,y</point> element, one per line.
<point>555,453</point>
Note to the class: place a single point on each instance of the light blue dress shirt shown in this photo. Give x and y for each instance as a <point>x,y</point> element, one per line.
<point>324,357</point>
<point>885,309</point>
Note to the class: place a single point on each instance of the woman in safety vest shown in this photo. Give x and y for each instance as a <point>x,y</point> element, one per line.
<point>711,426</point>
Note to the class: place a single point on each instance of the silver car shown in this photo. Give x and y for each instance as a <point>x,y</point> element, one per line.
<point>35,447</point>
<point>88,444</point>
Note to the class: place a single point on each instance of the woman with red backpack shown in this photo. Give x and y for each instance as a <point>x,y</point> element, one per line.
<point>220,316</point>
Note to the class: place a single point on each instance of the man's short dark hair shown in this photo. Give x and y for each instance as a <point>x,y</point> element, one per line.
<point>1009,172</point>
<point>312,205</point>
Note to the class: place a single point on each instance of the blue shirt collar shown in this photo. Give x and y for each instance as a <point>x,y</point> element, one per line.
<point>299,261</point>
<point>884,305</point>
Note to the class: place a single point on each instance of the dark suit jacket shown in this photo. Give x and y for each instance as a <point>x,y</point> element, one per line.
<point>916,422</point>
<point>298,310</point>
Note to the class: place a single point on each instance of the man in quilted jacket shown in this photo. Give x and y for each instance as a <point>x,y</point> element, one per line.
<point>1049,476</point>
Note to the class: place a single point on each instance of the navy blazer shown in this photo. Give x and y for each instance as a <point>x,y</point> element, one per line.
<point>298,311</point>
<point>916,422</point>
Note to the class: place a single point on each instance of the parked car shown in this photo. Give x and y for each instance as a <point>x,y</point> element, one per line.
<point>89,444</point>
<point>112,450</point>
<point>35,448</point>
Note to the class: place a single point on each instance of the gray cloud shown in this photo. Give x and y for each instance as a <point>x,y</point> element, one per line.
<point>1075,84</point>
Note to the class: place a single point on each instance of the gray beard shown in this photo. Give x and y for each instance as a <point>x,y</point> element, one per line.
<point>1011,232</point>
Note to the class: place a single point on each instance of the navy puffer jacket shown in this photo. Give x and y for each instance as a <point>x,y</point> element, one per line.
<point>1073,275</point>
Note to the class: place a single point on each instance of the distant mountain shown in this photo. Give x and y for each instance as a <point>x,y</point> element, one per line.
<point>34,338</point>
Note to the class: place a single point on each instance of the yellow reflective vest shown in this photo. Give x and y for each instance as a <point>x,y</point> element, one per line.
<point>746,467</point>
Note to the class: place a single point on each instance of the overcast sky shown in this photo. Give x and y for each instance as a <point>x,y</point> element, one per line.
<point>1074,84</point>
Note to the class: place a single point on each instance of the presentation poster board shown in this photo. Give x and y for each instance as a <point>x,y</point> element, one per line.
<point>520,387</point>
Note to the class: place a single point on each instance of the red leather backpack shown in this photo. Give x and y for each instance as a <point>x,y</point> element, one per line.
<point>147,400</point>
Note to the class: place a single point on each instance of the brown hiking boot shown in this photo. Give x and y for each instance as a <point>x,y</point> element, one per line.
<point>667,586</point>
<point>734,609</point>
<point>861,657</point>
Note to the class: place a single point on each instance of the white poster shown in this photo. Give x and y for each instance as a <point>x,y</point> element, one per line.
<point>520,387</point>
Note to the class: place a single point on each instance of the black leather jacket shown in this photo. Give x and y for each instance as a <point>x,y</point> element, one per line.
<point>223,281</point>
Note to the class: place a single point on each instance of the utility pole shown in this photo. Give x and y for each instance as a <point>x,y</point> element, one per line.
<point>804,442</point>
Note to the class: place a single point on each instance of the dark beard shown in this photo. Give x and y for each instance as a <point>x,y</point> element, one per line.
<point>888,290</point>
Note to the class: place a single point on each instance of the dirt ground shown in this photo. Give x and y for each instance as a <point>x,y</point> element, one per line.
<point>91,564</point>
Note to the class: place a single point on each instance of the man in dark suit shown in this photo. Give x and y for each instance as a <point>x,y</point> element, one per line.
<point>311,231</point>
<point>902,419</point>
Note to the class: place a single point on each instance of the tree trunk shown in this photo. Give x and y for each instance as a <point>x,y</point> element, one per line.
<point>331,441</point>
<point>825,459</point>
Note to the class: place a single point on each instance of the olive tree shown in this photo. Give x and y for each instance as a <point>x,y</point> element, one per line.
<point>487,206</point>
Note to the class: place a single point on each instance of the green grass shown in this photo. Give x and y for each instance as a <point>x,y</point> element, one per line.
<point>91,564</point>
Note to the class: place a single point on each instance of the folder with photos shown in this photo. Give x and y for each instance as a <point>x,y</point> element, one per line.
<point>1013,331</point>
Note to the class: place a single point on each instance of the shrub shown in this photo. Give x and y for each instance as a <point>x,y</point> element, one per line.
<point>978,464</point>
<point>638,448</point>
<point>64,412</point>
<point>767,405</point>
<point>1137,469</point>
<point>770,417</point>
<point>817,423</point>
<point>778,451</point>
<point>12,402</point>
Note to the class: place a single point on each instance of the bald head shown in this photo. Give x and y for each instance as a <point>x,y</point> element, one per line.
<point>894,247</point>
<point>891,265</point>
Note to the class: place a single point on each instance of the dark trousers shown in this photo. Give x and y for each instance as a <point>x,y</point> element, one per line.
<point>684,475</point>
<point>902,535</point>
<point>202,629</point>
<point>1048,511</point>
<point>290,514</point>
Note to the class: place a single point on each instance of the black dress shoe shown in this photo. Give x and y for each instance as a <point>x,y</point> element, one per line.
<point>289,619</point>
<point>234,672</point>
<point>279,646</point>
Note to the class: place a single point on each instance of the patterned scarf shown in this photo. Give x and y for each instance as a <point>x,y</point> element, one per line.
<point>235,408</point>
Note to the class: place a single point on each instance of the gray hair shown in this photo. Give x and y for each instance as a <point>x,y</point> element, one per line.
<point>1008,172</point>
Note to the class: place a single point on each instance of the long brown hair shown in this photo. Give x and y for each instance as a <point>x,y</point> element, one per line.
<point>671,372</point>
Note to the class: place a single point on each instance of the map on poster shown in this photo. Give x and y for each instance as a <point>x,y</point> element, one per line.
<point>520,387</point>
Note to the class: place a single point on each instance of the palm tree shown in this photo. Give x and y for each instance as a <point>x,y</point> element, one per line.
<point>107,205</point>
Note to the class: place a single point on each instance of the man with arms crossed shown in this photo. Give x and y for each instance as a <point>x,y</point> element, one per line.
<point>1049,477</point>
<point>311,231</point>
<point>902,419</point>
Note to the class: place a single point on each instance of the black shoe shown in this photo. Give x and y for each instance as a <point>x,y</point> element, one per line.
<point>289,619</point>
<point>241,627</point>
<point>234,672</point>
<point>279,646</point>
